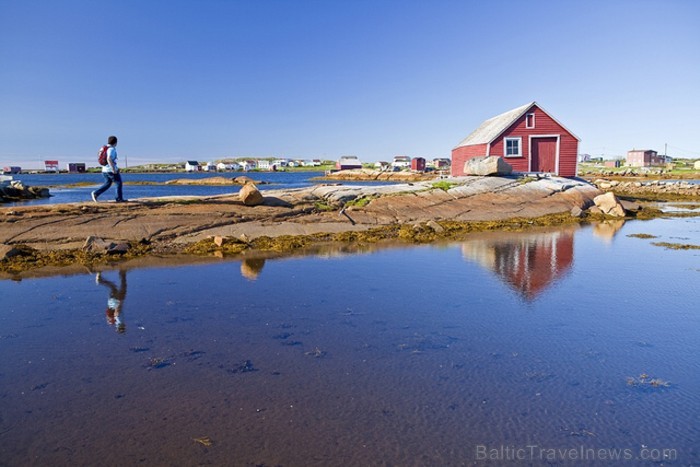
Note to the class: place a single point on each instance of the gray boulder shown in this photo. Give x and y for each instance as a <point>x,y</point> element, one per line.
<point>491,165</point>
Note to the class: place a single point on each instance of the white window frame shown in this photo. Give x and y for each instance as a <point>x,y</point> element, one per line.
<point>519,139</point>
<point>527,117</point>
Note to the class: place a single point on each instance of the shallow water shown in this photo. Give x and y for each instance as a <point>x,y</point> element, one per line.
<point>503,345</point>
<point>62,191</point>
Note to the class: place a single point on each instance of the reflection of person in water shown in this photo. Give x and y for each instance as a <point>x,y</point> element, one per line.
<point>115,301</point>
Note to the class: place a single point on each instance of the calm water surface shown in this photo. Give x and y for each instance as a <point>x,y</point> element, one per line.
<point>62,191</point>
<point>458,354</point>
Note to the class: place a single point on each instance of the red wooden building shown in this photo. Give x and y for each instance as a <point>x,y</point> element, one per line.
<point>528,138</point>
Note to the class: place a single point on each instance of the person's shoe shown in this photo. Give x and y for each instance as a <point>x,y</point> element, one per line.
<point>94,198</point>
<point>121,200</point>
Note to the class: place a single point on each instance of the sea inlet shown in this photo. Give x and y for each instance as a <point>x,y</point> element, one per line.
<point>574,346</point>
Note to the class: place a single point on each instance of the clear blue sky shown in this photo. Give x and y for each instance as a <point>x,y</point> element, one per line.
<point>206,79</point>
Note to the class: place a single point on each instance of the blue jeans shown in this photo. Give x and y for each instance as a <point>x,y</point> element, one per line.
<point>109,179</point>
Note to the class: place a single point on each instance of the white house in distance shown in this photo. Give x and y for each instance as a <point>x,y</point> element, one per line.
<point>232,167</point>
<point>401,162</point>
<point>209,167</point>
<point>348,162</point>
<point>192,166</point>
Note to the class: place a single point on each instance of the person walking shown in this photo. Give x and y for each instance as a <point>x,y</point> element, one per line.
<point>110,172</point>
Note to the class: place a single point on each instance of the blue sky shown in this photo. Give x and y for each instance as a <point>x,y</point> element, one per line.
<point>206,79</point>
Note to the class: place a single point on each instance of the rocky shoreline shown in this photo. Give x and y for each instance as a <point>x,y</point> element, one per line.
<point>15,190</point>
<point>285,220</point>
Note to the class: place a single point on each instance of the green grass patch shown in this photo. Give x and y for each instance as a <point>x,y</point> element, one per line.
<point>444,185</point>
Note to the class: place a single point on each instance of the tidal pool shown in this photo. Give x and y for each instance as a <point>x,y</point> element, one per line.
<point>504,349</point>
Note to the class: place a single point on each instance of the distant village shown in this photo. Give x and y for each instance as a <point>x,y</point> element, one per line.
<point>527,138</point>
<point>398,163</point>
<point>636,158</point>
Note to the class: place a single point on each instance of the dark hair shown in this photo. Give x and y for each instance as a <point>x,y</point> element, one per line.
<point>112,140</point>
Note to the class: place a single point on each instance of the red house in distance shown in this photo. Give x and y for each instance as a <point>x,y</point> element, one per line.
<point>528,138</point>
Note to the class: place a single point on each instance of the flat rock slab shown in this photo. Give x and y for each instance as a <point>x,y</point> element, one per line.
<point>291,212</point>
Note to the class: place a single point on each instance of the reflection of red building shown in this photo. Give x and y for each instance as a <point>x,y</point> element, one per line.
<point>528,262</point>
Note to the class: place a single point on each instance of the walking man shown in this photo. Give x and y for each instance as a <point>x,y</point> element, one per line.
<point>110,172</point>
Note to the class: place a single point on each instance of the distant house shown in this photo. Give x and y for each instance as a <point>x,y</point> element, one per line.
<point>13,169</point>
<point>584,158</point>
<point>348,162</point>
<point>249,164</point>
<point>418,164</point>
<point>76,167</point>
<point>644,158</point>
<point>51,166</point>
<point>401,162</point>
<point>192,166</point>
<point>264,164</point>
<point>615,163</point>
<point>209,167</point>
<point>316,162</point>
<point>441,162</point>
<point>232,167</point>
<point>527,137</point>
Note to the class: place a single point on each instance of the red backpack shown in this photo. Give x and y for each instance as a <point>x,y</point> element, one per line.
<point>102,155</point>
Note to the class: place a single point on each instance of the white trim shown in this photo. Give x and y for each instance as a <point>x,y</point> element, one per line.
<point>519,139</point>
<point>530,127</point>
<point>529,151</point>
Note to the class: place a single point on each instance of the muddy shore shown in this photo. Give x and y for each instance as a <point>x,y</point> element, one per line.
<point>92,234</point>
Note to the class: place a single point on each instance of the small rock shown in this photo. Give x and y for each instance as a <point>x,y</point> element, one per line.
<point>577,212</point>
<point>437,228</point>
<point>218,240</point>
<point>595,210</point>
<point>8,251</point>
<point>118,248</point>
<point>630,206</point>
<point>95,245</point>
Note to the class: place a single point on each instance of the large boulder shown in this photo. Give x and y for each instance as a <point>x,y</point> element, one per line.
<point>491,165</point>
<point>609,204</point>
<point>250,195</point>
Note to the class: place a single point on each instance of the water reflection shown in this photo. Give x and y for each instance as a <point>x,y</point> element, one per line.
<point>252,267</point>
<point>528,262</point>
<point>607,230</point>
<point>115,301</point>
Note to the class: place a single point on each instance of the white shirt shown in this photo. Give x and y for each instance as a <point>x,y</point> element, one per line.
<point>111,156</point>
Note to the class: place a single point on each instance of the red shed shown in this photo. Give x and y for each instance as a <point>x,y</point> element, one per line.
<point>418,164</point>
<point>528,138</point>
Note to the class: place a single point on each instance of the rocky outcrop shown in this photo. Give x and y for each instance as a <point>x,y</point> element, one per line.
<point>15,190</point>
<point>484,166</point>
<point>378,175</point>
<point>661,187</point>
<point>304,211</point>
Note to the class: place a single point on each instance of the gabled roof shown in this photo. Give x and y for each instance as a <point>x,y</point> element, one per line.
<point>193,162</point>
<point>493,127</point>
